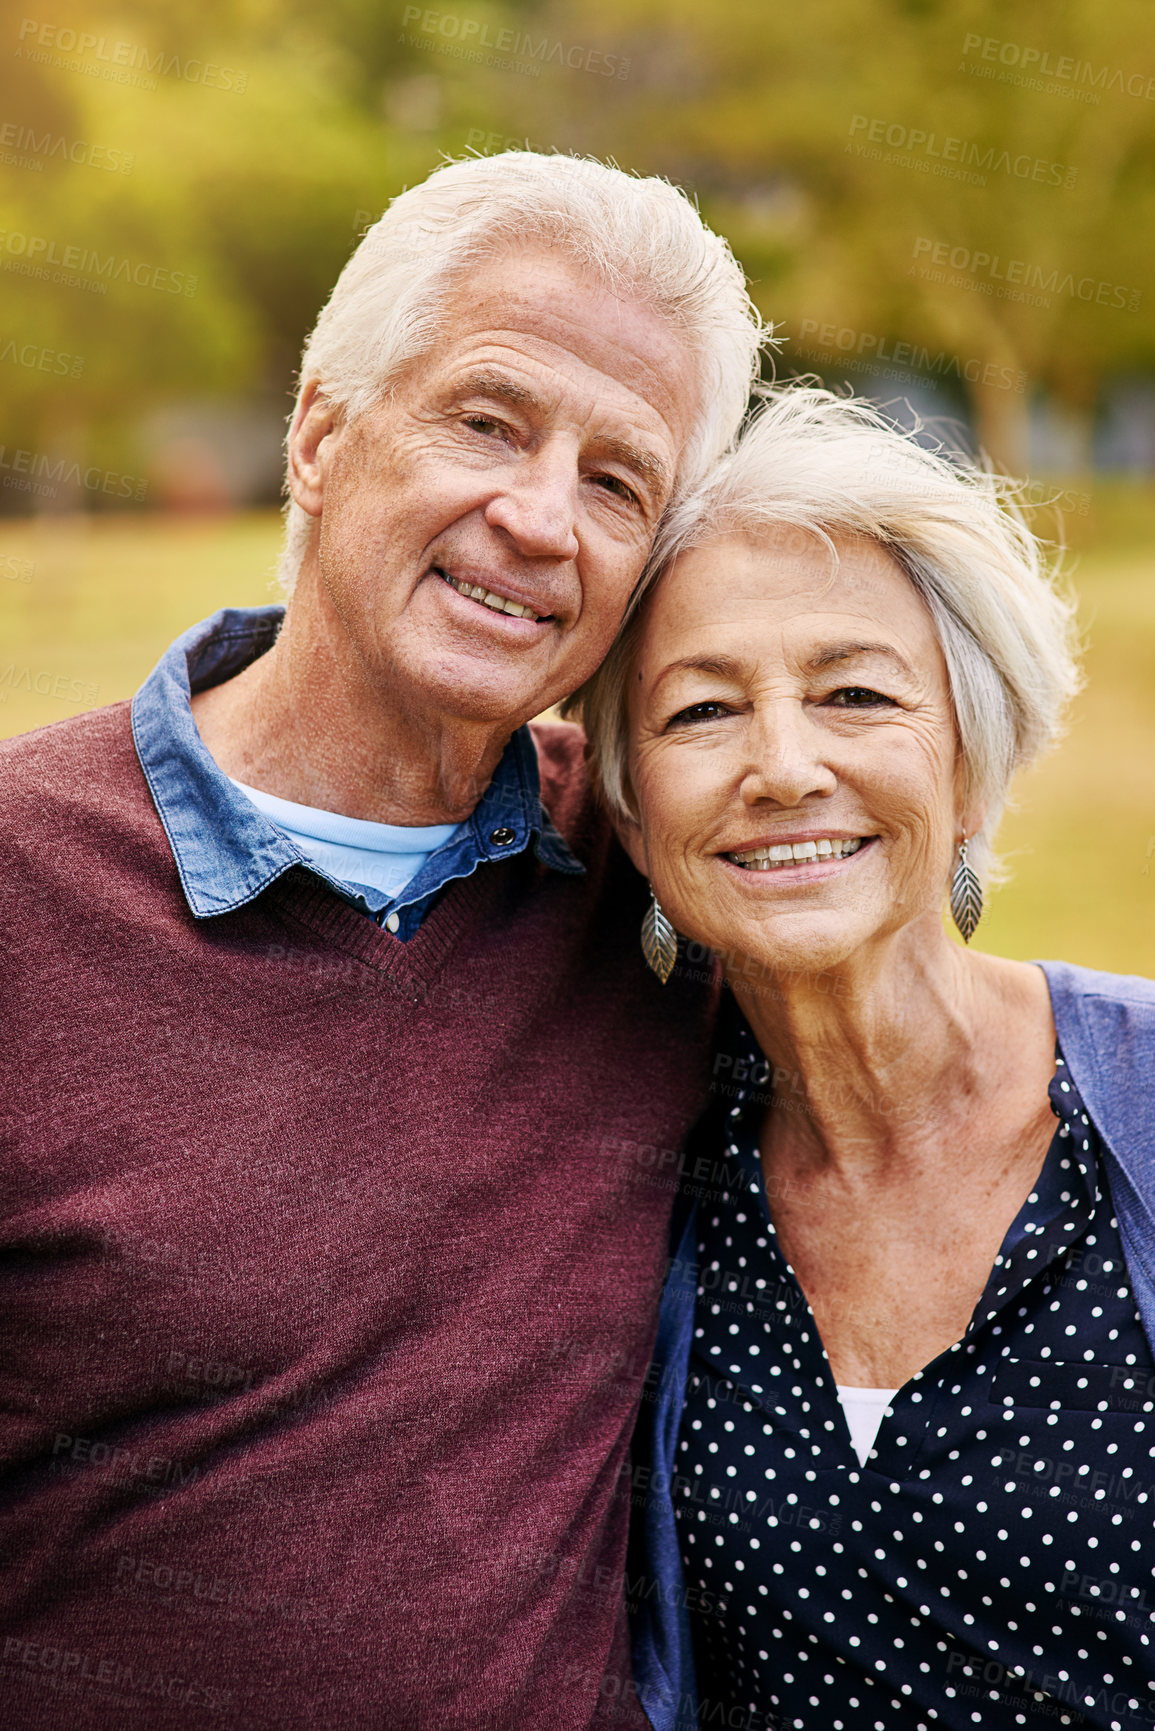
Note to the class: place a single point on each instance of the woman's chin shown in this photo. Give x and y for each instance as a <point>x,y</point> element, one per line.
<point>787,942</point>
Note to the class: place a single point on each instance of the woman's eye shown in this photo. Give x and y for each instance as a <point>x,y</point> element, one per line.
<point>698,712</point>
<point>856,697</point>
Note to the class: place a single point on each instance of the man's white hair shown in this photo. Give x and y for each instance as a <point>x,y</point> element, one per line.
<point>638,237</point>
<point>828,466</point>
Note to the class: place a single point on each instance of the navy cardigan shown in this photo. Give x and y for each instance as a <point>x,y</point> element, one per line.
<point>1106,1029</point>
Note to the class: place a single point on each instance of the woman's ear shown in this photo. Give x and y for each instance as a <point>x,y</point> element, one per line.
<point>970,820</point>
<point>970,813</point>
<point>629,833</point>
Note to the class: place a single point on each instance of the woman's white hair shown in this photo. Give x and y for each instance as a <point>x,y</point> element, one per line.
<point>639,237</point>
<point>825,465</point>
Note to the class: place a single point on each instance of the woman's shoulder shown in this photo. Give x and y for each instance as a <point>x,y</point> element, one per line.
<point>1106,1029</point>
<point>1105,1022</point>
<point>1089,991</point>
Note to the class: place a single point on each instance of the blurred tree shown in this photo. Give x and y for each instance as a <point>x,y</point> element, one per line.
<point>776,118</point>
<point>816,139</point>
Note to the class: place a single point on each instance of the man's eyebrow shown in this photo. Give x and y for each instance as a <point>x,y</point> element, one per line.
<point>484,382</point>
<point>837,652</point>
<point>641,461</point>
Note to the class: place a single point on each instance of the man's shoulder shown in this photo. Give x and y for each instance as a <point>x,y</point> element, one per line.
<point>83,762</point>
<point>566,790</point>
<point>561,744</point>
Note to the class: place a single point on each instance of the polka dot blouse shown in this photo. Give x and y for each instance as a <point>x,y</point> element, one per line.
<point>993,1564</point>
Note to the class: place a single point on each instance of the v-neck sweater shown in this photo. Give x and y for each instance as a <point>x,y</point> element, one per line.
<point>331,1267</point>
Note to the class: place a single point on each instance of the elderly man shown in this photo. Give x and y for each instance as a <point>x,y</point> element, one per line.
<point>341,1105</point>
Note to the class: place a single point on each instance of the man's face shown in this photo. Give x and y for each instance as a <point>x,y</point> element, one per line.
<point>526,457</point>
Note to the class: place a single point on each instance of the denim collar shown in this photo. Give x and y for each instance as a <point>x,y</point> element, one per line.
<point>226,851</point>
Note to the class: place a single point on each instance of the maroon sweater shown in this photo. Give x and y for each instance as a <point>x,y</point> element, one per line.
<point>329,1269</point>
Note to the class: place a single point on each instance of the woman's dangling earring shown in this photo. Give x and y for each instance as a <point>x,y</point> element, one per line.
<point>966,896</point>
<point>659,940</point>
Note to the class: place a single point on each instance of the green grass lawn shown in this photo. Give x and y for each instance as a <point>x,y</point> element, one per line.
<point>95,600</point>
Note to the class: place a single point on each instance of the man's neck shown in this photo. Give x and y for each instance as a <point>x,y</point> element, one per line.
<point>303,722</point>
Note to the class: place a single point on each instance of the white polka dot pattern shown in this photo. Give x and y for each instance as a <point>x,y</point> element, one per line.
<point>993,1564</point>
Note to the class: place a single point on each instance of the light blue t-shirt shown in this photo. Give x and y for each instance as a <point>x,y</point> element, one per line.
<point>353,850</point>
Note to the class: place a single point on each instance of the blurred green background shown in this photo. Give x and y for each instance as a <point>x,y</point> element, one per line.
<point>949,207</point>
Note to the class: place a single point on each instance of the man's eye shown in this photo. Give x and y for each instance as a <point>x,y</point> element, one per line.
<point>709,711</point>
<point>619,488</point>
<point>484,424</point>
<point>856,697</point>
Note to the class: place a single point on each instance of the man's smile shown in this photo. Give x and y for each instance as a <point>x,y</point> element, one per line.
<point>497,600</point>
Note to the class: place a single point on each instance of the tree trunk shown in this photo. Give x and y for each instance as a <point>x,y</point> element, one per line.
<point>999,408</point>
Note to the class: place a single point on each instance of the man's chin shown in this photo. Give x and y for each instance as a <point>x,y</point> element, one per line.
<point>477,693</point>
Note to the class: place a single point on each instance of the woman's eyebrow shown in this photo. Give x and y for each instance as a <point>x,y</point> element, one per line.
<point>724,666</point>
<point>838,652</point>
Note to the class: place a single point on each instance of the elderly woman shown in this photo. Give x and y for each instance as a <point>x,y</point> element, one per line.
<point>911,1309</point>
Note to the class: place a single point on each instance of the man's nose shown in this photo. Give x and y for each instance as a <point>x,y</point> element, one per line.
<point>784,757</point>
<point>538,505</point>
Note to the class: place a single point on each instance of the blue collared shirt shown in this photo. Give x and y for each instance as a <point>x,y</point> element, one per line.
<point>227,852</point>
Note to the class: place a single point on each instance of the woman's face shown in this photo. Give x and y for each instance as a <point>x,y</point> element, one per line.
<point>778,702</point>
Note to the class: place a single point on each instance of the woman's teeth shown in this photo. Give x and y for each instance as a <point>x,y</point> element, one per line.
<point>475,592</point>
<point>764,859</point>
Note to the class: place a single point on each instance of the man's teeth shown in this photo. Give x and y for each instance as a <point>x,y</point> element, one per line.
<point>763,859</point>
<point>488,598</point>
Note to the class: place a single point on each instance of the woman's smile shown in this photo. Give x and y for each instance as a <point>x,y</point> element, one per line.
<point>799,858</point>
<point>793,750</point>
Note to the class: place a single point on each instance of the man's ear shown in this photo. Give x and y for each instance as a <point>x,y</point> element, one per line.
<point>313,421</point>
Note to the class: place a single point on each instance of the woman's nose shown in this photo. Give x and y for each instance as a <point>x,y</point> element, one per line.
<point>785,758</point>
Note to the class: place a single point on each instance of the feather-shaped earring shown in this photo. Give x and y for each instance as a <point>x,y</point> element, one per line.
<point>966,896</point>
<point>659,940</point>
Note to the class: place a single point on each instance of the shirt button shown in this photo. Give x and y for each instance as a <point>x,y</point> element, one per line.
<point>392,923</point>
<point>501,837</point>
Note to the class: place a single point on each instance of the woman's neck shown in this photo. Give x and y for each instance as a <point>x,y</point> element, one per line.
<point>881,1057</point>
